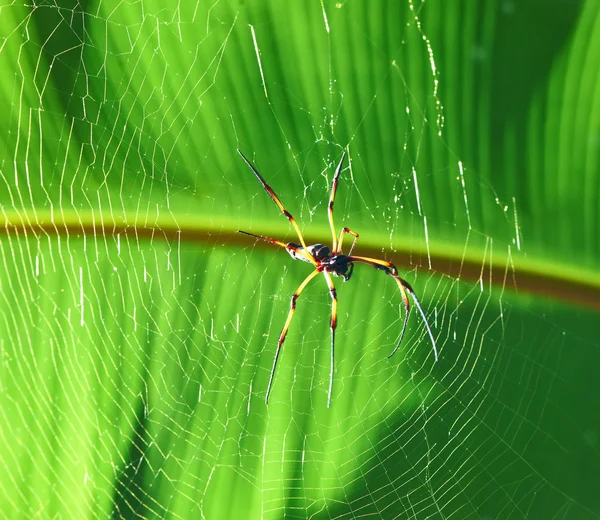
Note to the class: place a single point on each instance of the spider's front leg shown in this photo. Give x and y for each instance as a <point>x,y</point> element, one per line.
<point>280,205</point>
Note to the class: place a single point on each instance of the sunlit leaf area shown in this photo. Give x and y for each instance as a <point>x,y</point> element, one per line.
<point>138,328</point>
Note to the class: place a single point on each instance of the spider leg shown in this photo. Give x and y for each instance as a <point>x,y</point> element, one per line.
<point>404,287</point>
<point>275,198</point>
<point>286,326</point>
<point>289,247</point>
<point>332,326</point>
<point>375,262</point>
<point>407,307</point>
<point>418,305</point>
<point>350,232</point>
<point>334,186</point>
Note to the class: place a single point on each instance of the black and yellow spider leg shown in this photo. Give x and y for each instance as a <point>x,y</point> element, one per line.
<point>375,262</point>
<point>407,307</point>
<point>334,186</point>
<point>286,327</point>
<point>333,325</point>
<point>289,247</point>
<point>418,305</point>
<point>350,232</point>
<point>275,198</point>
<point>389,268</point>
<point>404,286</point>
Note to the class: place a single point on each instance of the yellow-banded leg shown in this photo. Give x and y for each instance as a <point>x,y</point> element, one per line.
<point>289,247</point>
<point>286,327</point>
<point>404,286</point>
<point>333,325</point>
<point>350,232</point>
<point>275,198</point>
<point>334,186</point>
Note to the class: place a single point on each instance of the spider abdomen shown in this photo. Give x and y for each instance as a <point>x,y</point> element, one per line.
<point>318,251</point>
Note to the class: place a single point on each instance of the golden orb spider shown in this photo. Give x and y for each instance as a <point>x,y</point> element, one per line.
<point>331,262</point>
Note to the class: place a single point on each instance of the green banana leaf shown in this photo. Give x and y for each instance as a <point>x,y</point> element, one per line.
<point>138,328</point>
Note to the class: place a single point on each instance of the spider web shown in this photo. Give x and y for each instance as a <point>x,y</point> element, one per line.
<point>137,329</point>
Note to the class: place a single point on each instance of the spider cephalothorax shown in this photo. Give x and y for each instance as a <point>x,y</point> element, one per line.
<point>339,265</point>
<point>331,262</point>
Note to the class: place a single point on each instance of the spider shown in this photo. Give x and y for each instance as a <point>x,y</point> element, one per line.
<point>330,262</point>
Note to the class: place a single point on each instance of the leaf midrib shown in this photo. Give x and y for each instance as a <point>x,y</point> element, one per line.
<point>516,273</point>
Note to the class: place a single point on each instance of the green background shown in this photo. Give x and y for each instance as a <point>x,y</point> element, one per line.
<point>137,328</point>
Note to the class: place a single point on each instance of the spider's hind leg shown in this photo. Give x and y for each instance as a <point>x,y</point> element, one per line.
<point>286,327</point>
<point>333,326</point>
<point>404,287</point>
